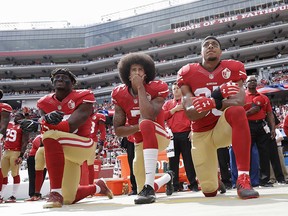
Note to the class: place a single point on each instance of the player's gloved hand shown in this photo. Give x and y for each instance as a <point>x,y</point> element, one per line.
<point>29,125</point>
<point>18,161</point>
<point>228,89</point>
<point>202,104</point>
<point>258,101</point>
<point>62,126</point>
<point>54,117</point>
<point>225,90</point>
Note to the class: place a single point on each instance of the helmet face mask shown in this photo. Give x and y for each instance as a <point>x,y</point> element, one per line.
<point>63,71</point>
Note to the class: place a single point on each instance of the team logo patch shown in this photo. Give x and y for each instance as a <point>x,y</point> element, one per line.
<point>59,107</point>
<point>71,104</point>
<point>211,76</point>
<point>226,73</point>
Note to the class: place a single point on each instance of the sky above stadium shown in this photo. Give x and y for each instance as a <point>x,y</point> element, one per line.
<point>75,12</point>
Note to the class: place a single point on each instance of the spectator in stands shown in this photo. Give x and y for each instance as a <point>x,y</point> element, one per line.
<point>180,126</point>
<point>213,98</point>
<point>66,127</point>
<point>14,148</point>
<point>5,111</point>
<point>139,100</point>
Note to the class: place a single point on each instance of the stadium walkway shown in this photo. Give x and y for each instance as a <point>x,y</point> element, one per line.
<point>272,202</point>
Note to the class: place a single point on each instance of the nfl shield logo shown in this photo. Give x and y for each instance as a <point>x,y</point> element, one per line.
<point>226,73</point>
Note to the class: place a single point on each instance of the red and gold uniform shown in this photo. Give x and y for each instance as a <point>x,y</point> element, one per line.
<point>96,126</point>
<point>217,129</point>
<point>3,108</point>
<point>12,150</point>
<point>156,137</point>
<point>77,146</point>
<point>203,82</point>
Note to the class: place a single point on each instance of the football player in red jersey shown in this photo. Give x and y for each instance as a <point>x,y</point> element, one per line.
<point>66,127</point>
<point>15,145</point>
<point>213,99</point>
<point>139,100</point>
<point>5,111</point>
<point>98,125</point>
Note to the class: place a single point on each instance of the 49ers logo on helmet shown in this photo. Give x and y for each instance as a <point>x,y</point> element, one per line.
<point>226,73</point>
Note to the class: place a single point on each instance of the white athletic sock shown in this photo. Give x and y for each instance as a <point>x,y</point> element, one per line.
<point>15,189</point>
<point>163,180</point>
<point>150,161</point>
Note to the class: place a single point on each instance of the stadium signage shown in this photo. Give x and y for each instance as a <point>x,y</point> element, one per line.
<point>232,18</point>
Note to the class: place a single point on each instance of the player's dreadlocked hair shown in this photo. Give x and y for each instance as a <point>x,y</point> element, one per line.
<point>136,58</point>
<point>63,71</point>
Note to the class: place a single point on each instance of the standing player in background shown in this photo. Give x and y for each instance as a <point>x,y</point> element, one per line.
<point>5,111</point>
<point>98,125</point>
<point>138,101</point>
<point>66,127</point>
<point>14,148</point>
<point>36,169</point>
<point>213,99</point>
<point>180,126</point>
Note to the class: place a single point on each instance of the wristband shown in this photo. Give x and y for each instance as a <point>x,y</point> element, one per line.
<point>217,95</point>
<point>218,103</point>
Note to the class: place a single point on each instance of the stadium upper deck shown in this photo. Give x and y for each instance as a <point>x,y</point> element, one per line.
<point>253,31</point>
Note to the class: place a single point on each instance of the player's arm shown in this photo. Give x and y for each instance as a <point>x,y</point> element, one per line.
<point>24,143</point>
<point>119,121</point>
<point>80,116</point>
<point>5,118</point>
<point>149,109</point>
<point>189,109</point>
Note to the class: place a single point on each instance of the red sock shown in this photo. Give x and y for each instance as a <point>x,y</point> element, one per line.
<point>84,191</point>
<point>91,174</point>
<point>54,162</point>
<point>16,179</point>
<point>241,139</point>
<point>39,175</point>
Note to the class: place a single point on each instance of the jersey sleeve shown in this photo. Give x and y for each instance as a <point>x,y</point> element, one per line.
<point>181,73</point>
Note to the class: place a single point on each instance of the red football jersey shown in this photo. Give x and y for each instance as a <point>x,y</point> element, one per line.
<point>178,122</point>
<point>13,139</point>
<point>96,117</point>
<point>35,145</point>
<point>50,103</point>
<point>266,107</point>
<point>122,97</point>
<point>203,82</point>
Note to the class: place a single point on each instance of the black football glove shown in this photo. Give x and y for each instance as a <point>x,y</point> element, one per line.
<point>29,126</point>
<point>54,117</point>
